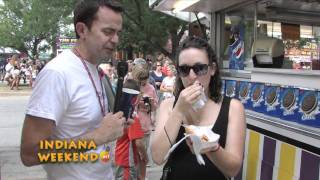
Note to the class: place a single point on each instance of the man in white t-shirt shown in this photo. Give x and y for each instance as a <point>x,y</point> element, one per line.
<point>9,69</point>
<point>68,101</point>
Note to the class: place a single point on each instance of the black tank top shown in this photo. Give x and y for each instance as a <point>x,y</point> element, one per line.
<point>183,163</point>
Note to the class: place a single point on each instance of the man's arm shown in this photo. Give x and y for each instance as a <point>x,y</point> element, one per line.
<point>36,129</point>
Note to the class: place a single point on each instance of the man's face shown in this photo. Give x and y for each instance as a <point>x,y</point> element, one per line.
<point>11,61</point>
<point>109,70</point>
<point>130,65</point>
<point>103,37</point>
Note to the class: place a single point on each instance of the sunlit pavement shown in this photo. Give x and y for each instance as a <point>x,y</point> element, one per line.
<point>12,109</point>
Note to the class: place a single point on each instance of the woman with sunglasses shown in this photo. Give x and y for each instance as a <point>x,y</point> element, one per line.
<point>197,73</point>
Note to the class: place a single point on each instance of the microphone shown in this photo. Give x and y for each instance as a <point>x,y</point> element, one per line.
<point>122,70</point>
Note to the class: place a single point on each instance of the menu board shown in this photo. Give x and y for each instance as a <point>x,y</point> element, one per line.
<point>290,31</point>
<point>65,43</point>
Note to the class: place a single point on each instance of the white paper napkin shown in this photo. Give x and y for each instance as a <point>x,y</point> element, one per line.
<point>197,142</point>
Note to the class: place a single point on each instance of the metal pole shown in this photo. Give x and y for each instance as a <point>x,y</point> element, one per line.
<point>255,21</point>
<point>213,30</point>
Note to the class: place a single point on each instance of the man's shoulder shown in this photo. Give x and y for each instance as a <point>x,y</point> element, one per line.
<point>62,62</point>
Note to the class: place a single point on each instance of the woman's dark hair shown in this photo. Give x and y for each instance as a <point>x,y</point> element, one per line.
<point>215,81</point>
<point>85,11</point>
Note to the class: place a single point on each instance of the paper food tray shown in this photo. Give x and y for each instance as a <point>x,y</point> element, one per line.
<point>202,136</point>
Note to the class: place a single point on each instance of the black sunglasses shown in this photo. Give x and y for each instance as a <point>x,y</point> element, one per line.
<point>198,69</point>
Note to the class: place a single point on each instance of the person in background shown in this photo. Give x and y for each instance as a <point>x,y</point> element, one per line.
<point>130,65</point>
<point>129,151</point>
<point>2,70</point>
<point>23,70</point>
<point>69,101</point>
<point>158,76</point>
<point>129,74</point>
<point>198,74</point>
<point>108,69</point>
<point>147,103</point>
<point>167,85</point>
<point>166,63</point>
<point>28,72</point>
<point>39,65</point>
<point>15,73</point>
<point>34,73</point>
<point>9,69</point>
<point>141,61</point>
<point>149,61</point>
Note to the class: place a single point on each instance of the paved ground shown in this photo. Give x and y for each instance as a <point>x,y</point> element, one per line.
<point>12,107</point>
<point>24,90</point>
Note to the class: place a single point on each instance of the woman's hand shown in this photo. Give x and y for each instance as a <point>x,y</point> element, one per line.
<point>189,96</point>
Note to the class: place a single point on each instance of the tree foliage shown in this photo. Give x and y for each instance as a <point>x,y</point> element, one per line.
<point>26,23</point>
<point>148,31</point>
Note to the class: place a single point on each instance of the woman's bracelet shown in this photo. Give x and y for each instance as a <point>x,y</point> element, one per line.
<point>216,149</point>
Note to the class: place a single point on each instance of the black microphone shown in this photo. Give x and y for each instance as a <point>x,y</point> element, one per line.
<point>122,70</point>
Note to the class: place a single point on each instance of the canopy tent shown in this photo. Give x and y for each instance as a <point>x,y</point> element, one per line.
<point>8,50</point>
<point>193,5</point>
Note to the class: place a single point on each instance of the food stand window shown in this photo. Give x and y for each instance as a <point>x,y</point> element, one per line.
<point>301,43</point>
<point>270,29</point>
<point>237,37</point>
<point>296,24</point>
<point>296,27</point>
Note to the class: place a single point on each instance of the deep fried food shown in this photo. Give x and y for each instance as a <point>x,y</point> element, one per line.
<point>189,130</point>
<point>204,138</point>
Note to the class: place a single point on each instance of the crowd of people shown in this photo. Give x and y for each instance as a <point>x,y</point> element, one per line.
<point>161,73</point>
<point>16,69</point>
<point>80,109</point>
<point>156,79</point>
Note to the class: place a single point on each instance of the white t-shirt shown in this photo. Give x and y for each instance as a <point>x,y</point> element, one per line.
<point>28,71</point>
<point>9,69</point>
<point>64,93</point>
<point>168,82</point>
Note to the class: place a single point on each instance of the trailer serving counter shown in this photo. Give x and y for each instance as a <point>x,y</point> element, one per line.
<point>283,120</point>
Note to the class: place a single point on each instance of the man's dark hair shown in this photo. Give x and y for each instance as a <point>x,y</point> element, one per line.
<point>110,62</point>
<point>85,11</point>
<point>215,81</point>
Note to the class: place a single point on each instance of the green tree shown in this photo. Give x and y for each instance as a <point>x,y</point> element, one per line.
<point>148,31</point>
<point>24,24</point>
